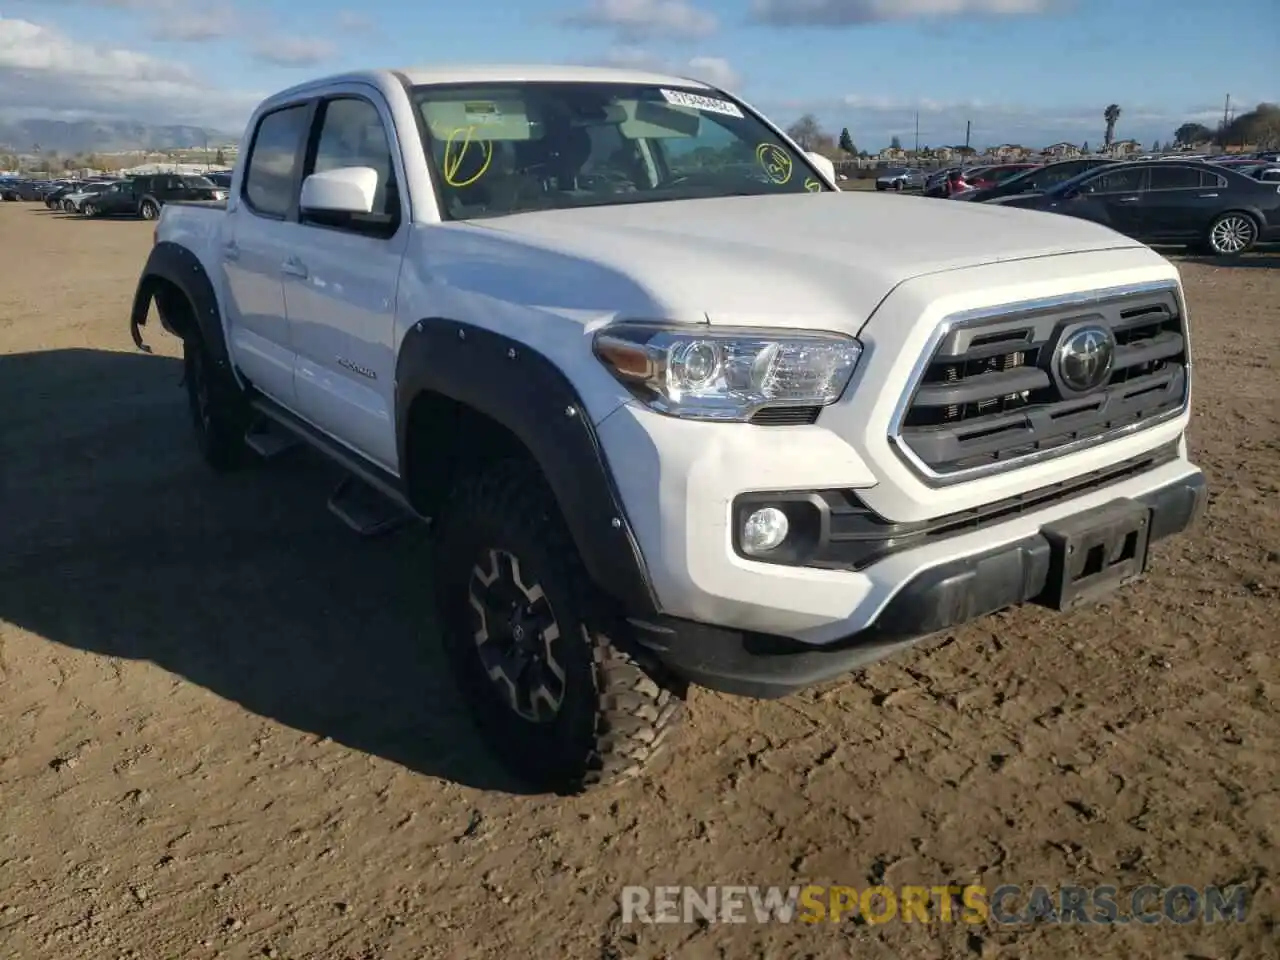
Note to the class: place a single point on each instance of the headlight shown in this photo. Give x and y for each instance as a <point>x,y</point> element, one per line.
<point>705,373</point>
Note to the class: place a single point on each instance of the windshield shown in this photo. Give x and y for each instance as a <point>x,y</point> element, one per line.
<point>517,147</point>
<point>199,182</point>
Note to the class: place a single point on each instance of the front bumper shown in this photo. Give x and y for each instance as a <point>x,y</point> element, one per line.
<point>935,599</point>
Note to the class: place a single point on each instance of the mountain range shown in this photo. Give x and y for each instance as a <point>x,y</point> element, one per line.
<point>70,137</point>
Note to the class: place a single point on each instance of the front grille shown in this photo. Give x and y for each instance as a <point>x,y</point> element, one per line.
<point>993,392</point>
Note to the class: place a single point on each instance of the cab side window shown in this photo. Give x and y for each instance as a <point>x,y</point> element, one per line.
<point>352,134</point>
<point>273,161</point>
<point>1175,178</point>
<point>1118,181</point>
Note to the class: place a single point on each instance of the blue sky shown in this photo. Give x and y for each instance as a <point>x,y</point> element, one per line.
<point>1028,71</point>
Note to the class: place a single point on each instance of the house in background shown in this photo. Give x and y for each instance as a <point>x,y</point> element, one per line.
<point>1123,148</point>
<point>1009,153</point>
<point>893,155</point>
<point>1062,151</point>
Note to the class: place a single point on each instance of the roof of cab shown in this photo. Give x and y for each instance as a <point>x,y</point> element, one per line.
<point>482,73</point>
<point>478,73</point>
<point>535,73</point>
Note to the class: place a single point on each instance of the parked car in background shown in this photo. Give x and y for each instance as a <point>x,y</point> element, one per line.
<point>982,177</point>
<point>154,191</point>
<point>74,202</point>
<point>220,178</point>
<point>1034,180</point>
<point>59,189</point>
<point>1200,205</point>
<point>1266,172</point>
<point>901,178</point>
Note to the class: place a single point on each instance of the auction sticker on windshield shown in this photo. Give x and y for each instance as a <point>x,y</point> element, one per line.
<point>679,98</point>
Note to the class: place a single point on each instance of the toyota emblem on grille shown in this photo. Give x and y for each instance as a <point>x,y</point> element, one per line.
<point>1084,359</point>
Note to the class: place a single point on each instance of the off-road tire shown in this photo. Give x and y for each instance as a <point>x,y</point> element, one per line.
<point>614,714</point>
<point>148,210</point>
<point>219,413</point>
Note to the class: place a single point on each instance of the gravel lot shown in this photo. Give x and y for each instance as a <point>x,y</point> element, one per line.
<point>225,729</point>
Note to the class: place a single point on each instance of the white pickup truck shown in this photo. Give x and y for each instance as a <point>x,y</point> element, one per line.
<point>679,410</point>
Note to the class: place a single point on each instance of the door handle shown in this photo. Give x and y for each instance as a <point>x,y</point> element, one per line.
<point>1207,196</point>
<point>231,250</point>
<point>294,267</point>
<point>1126,199</point>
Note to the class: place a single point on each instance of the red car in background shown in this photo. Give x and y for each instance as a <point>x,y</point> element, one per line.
<point>980,177</point>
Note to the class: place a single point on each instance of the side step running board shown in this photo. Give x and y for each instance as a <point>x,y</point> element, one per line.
<point>364,509</point>
<point>266,438</point>
<point>367,499</point>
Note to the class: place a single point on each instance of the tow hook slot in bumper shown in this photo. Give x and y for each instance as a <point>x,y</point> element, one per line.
<point>1093,553</point>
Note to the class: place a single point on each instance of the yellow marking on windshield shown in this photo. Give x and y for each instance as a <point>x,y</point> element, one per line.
<point>455,152</point>
<point>775,162</point>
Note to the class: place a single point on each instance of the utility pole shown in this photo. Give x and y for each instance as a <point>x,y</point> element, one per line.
<point>968,129</point>
<point>917,136</point>
<point>1226,113</point>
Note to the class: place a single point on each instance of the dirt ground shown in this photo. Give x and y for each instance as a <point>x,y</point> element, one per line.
<point>225,729</point>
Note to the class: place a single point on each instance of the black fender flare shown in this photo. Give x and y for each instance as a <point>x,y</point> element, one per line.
<point>527,394</point>
<point>172,263</point>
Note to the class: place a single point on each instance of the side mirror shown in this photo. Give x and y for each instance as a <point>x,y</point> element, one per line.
<point>822,163</point>
<point>342,190</point>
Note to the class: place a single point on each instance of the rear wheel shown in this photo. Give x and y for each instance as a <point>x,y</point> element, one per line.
<point>1232,234</point>
<point>218,411</point>
<point>148,210</point>
<point>89,210</point>
<point>549,676</point>
<point>68,206</point>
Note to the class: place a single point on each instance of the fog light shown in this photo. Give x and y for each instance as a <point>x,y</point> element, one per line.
<point>763,530</point>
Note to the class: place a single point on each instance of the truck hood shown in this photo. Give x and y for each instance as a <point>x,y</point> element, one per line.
<point>790,259</point>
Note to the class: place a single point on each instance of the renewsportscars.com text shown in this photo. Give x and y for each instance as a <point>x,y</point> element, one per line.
<point>972,904</point>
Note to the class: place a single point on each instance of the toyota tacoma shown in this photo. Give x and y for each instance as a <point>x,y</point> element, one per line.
<point>677,410</point>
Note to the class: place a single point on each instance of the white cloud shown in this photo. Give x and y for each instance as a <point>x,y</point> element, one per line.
<point>294,51</point>
<point>839,13</point>
<point>43,71</point>
<point>191,27</point>
<point>716,71</point>
<point>639,20</point>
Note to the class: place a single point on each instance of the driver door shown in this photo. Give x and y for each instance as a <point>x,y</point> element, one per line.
<point>1119,195</point>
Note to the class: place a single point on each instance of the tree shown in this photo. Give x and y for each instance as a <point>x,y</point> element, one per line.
<point>1084,147</point>
<point>846,141</point>
<point>806,132</point>
<point>895,143</point>
<point>1192,133</point>
<point>1112,116</point>
<point>1260,126</point>
<point>219,159</point>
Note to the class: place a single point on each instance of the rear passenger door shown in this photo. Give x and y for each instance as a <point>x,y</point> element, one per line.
<point>340,289</point>
<point>260,228</point>
<point>1181,201</point>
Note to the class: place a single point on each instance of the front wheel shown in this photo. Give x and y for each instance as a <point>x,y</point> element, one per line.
<point>149,210</point>
<point>68,206</point>
<point>1232,234</point>
<point>90,210</point>
<point>549,677</point>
